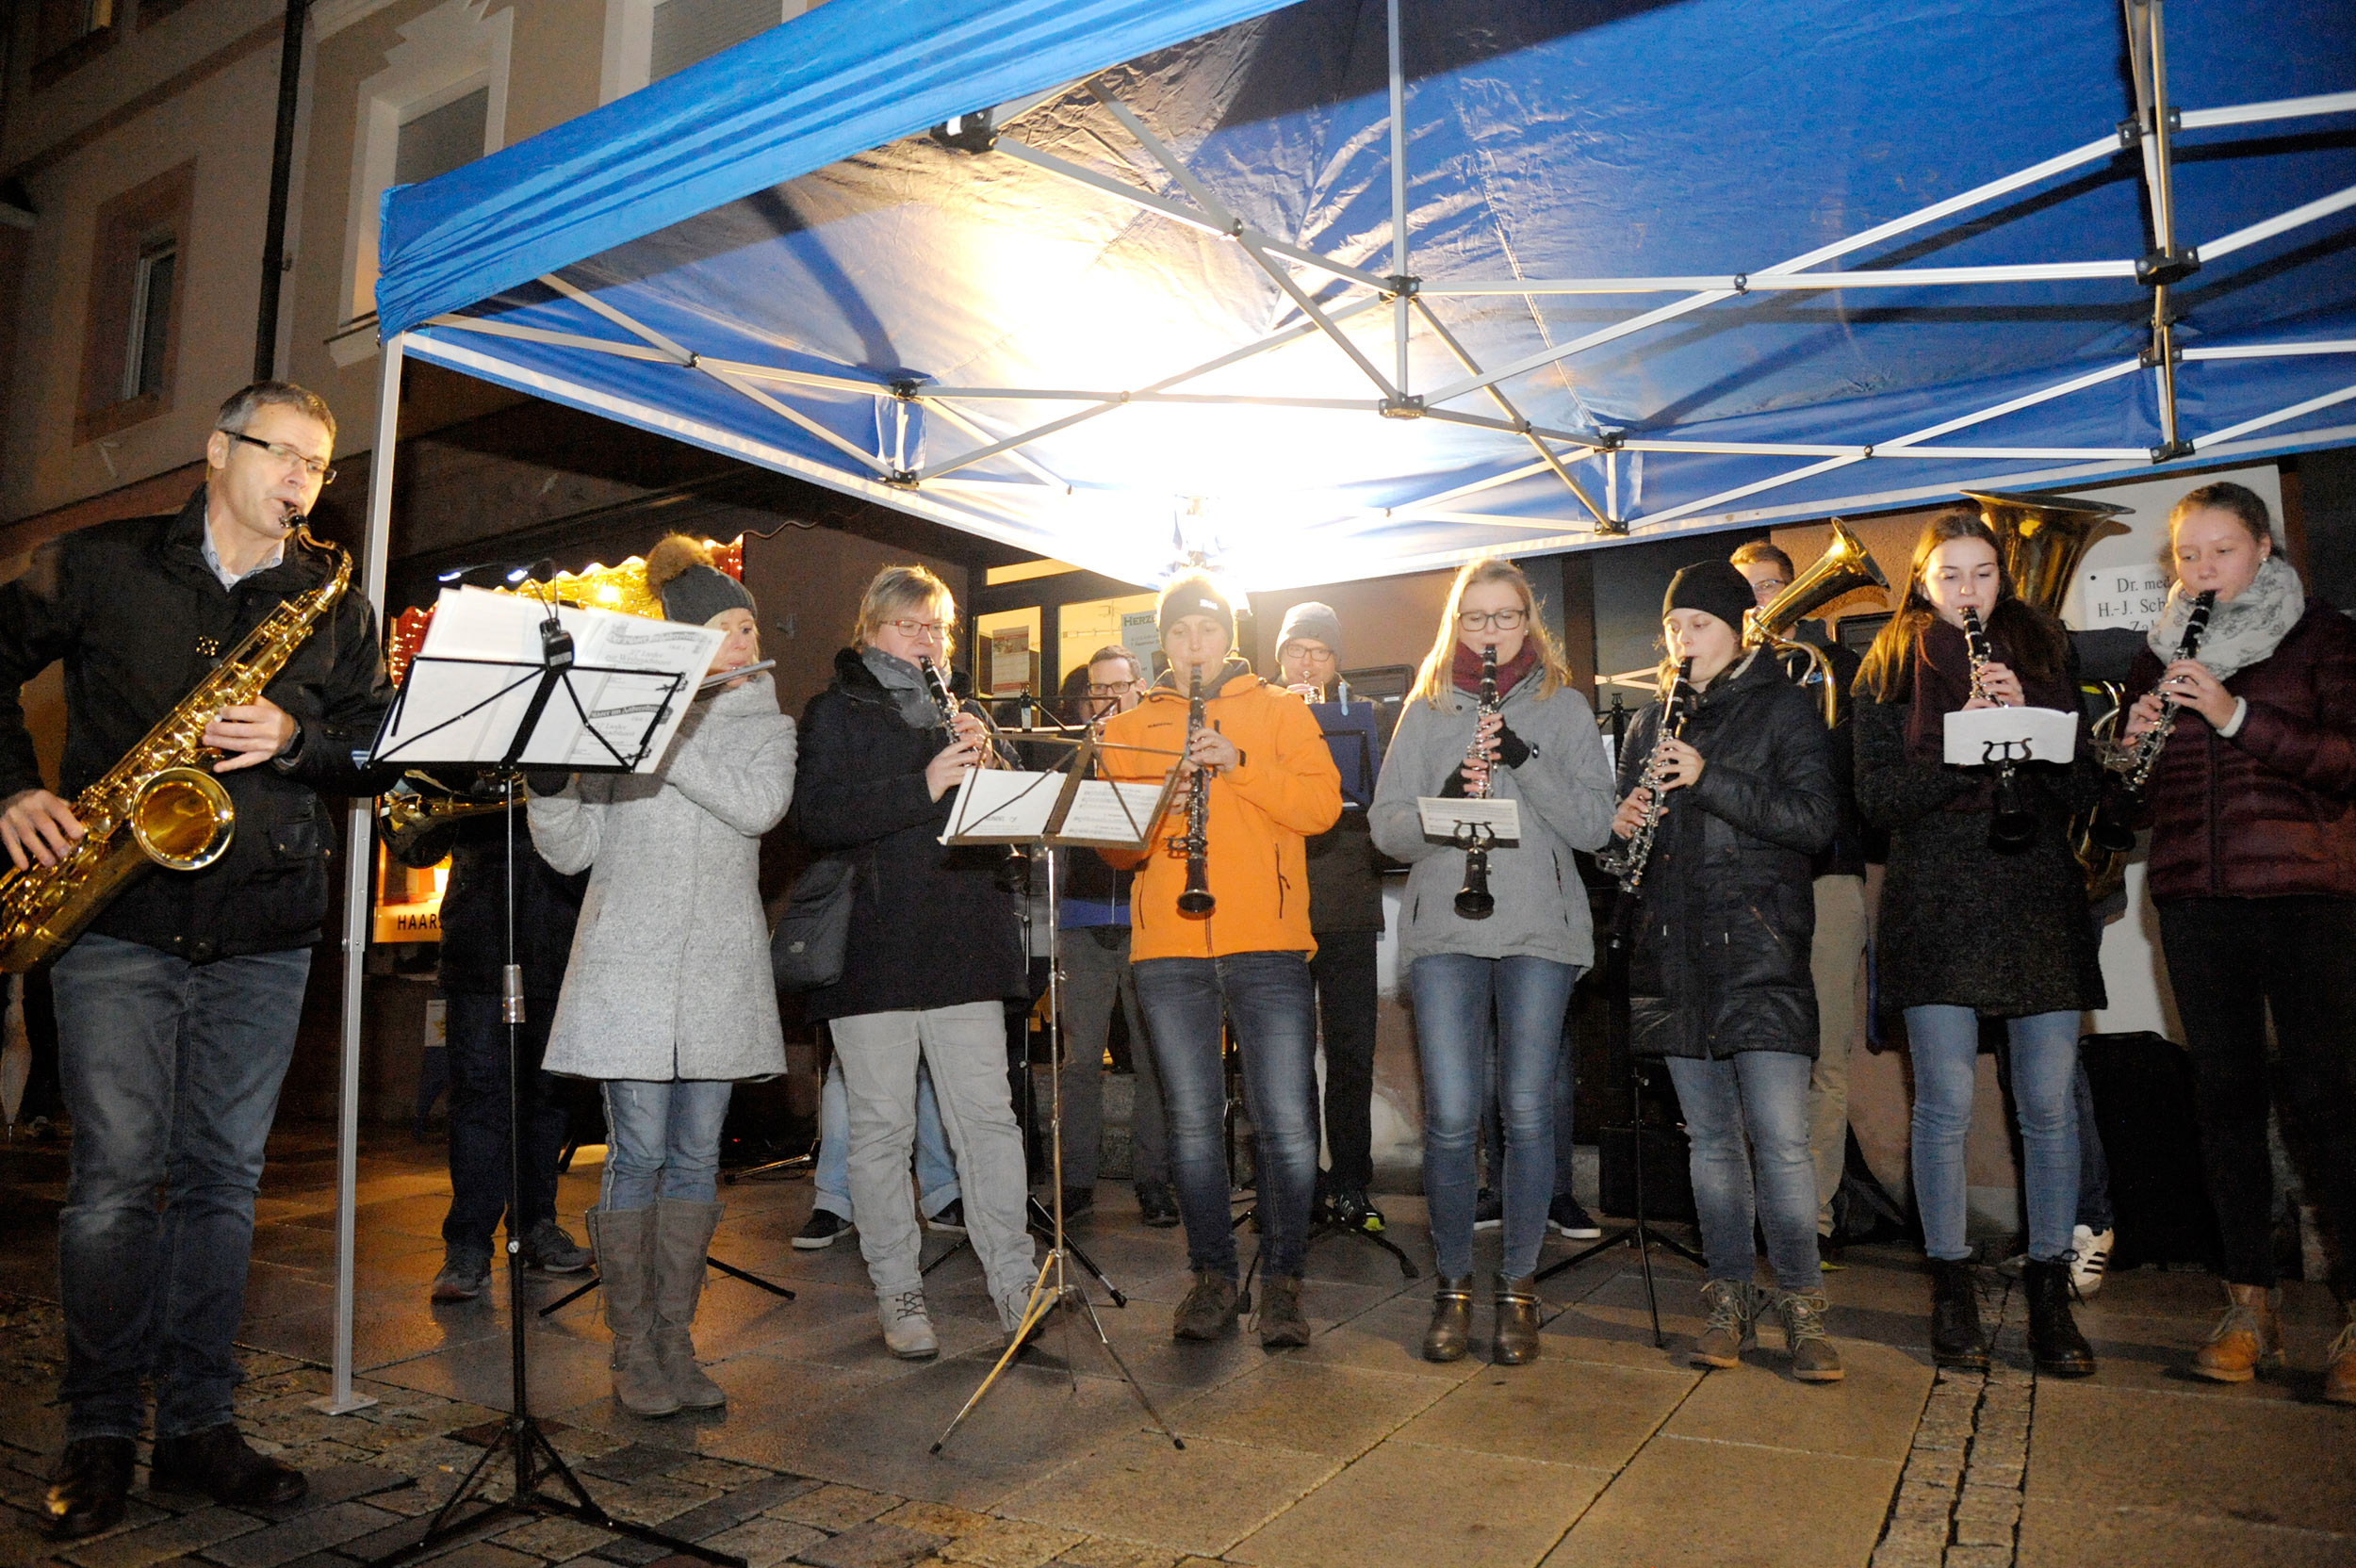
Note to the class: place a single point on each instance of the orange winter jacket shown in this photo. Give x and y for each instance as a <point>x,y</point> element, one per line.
<point>1262,812</point>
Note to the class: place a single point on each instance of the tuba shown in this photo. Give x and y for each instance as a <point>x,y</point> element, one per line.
<point>160,805</point>
<point>2042,539</point>
<point>1844,568</point>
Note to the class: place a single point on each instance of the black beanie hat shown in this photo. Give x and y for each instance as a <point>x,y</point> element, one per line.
<point>1194,594</point>
<point>692,589</point>
<point>1713,586</point>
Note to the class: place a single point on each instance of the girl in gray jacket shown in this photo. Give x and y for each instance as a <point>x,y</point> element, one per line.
<point>668,997</point>
<point>1510,971</point>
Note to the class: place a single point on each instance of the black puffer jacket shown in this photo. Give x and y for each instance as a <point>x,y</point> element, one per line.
<point>138,618</point>
<point>1727,913</point>
<point>930,926</point>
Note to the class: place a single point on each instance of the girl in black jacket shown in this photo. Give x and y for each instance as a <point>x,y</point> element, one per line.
<point>934,950</point>
<point>1968,931</point>
<point>1718,978</point>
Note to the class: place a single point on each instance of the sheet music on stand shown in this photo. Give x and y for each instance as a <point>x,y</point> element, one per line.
<point>1061,807</point>
<point>483,689</point>
<point>1977,736</point>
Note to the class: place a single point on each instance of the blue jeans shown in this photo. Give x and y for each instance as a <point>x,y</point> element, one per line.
<point>1271,1001</point>
<point>936,1173</point>
<point>1746,1115</point>
<point>662,1140</point>
<point>1457,996</point>
<point>1945,1044</point>
<point>479,1173</point>
<point>170,1072</point>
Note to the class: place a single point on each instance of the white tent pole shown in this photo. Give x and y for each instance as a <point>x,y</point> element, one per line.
<point>1520,425</point>
<point>2279,417</point>
<point>358,865</point>
<point>2321,207</point>
<point>2274,350</point>
<point>1398,207</point>
<point>2279,108</point>
<point>1793,281</point>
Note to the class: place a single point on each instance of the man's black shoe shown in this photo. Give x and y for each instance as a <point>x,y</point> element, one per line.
<point>1350,1211</point>
<point>218,1464</point>
<point>1157,1206</point>
<point>1078,1201</point>
<point>87,1490</point>
<point>1567,1216</point>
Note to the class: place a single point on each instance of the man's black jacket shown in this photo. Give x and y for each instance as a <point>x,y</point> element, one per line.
<point>138,618</point>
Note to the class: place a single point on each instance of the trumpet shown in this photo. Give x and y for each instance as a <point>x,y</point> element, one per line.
<point>2014,824</point>
<point>420,804</point>
<point>1473,900</point>
<point>1628,861</point>
<point>1194,845</point>
<point>1845,566</point>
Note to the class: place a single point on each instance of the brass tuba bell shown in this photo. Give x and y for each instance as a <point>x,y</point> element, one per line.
<point>1845,566</point>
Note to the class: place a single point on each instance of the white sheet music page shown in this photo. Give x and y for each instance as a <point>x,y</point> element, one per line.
<point>1443,815</point>
<point>1981,735</point>
<point>1109,815</point>
<point>1003,806</point>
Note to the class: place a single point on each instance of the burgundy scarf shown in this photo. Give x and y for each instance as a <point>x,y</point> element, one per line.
<point>1465,673</point>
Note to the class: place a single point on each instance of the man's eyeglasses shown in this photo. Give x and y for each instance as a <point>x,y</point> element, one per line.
<point>1481,620</point>
<point>1114,690</point>
<point>311,466</point>
<point>930,631</point>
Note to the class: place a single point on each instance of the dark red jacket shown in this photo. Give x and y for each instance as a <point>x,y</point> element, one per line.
<point>2272,811</point>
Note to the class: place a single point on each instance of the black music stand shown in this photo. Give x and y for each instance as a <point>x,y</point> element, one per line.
<point>617,750</point>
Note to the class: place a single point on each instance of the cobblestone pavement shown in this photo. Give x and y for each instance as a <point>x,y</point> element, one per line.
<point>1609,1451</point>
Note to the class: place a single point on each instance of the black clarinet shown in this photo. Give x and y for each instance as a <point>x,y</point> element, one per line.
<point>1196,902</point>
<point>1014,874</point>
<point>2013,827</point>
<point>1473,900</point>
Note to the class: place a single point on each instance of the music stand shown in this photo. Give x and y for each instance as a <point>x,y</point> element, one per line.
<point>1030,813</point>
<point>478,725</point>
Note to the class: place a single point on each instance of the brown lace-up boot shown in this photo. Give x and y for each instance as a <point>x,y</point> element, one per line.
<point>2247,1337</point>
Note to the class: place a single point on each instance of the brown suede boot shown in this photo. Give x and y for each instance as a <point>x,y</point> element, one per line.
<point>626,1252</point>
<point>2249,1336</point>
<point>682,1237</point>
<point>2339,1365</point>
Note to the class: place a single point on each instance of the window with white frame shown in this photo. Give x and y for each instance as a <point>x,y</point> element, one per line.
<point>648,39</point>
<point>440,102</point>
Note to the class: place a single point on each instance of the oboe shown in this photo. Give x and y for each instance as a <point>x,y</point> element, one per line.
<point>2138,761</point>
<point>2013,824</point>
<point>1196,902</point>
<point>1473,900</point>
<point>1629,861</point>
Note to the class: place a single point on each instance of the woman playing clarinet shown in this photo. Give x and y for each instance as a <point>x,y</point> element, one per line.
<point>1968,930</point>
<point>1720,920</point>
<point>2252,801</point>
<point>1507,969</point>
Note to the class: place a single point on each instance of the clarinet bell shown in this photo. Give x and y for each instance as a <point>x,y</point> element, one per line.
<point>2013,827</point>
<point>1473,900</point>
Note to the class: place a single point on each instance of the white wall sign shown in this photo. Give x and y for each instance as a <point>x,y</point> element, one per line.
<point>2124,579</point>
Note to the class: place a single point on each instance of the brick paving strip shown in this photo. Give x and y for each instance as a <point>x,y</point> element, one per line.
<point>1958,1504</point>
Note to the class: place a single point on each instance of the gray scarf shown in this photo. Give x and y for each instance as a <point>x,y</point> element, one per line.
<point>2242,630</point>
<point>905,683</point>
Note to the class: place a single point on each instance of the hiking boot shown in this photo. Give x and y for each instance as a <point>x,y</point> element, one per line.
<point>89,1488</point>
<point>548,1247</point>
<point>1517,1343</point>
<point>1814,1359</point>
<point>1733,1326</point>
<point>907,1328</point>
<point>1209,1309</point>
<point>2339,1365</point>
<point>465,1273</point>
<point>1157,1205</point>
<point>824,1228</point>
<point>218,1464</point>
<point>625,1241</point>
<point>1282,1325</point>
<point>1957,1339</point>
<point>1450,1333</point>
<point>1351,1211</point>
<point>2090,1258</point>
<point>2054,1343</point>
<point>2247,1337</point>
<point>1570,1218</point>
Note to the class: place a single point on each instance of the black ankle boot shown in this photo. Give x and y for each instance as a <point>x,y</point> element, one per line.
<point>1956,1337</point>
<point>2060,1351</point>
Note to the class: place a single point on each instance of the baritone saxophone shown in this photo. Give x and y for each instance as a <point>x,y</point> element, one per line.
<point>160,805</point>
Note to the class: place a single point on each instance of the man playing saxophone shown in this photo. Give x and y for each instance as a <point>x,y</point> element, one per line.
<point>177,1006</point>
<point>1268,782</point>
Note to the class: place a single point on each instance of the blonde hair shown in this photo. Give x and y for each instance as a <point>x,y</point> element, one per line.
<point>897,589</point>
<point>1437,677</point>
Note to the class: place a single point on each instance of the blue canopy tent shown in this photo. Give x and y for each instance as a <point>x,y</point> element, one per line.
<point>1345,287</point>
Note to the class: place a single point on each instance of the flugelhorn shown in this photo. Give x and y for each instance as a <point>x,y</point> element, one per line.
<point>1845,566</point>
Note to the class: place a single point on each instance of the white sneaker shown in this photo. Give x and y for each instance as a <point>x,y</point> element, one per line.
<point>2090,1256</point>
<point>907,1329</point>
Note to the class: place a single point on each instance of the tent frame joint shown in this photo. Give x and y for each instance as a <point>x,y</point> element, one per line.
<point>2130,129</point>
<point>902,479</point>
<point>1401,408</point>
<point>2158,268</point>
<point>976,132</point>
<point>1402,286</point>
<point>906,388</point>
<point>1741,283</point>
<point>2168,452</point>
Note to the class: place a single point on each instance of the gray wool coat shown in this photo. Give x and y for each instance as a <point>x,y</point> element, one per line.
<point>1564,789</point>
<point>669,975</point>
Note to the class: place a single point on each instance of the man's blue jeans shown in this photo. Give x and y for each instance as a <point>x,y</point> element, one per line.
<point>936,1171</point>
<point>1745,1114</point>
<point>1271,1001</point>
<point>662,1140</point>
<point>1944,1042</point>
<point>1457,999</point>
<point>170,1071</point>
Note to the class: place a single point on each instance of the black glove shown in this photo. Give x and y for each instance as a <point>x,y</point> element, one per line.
<point>1512,749</point>
<point>546,781</point>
